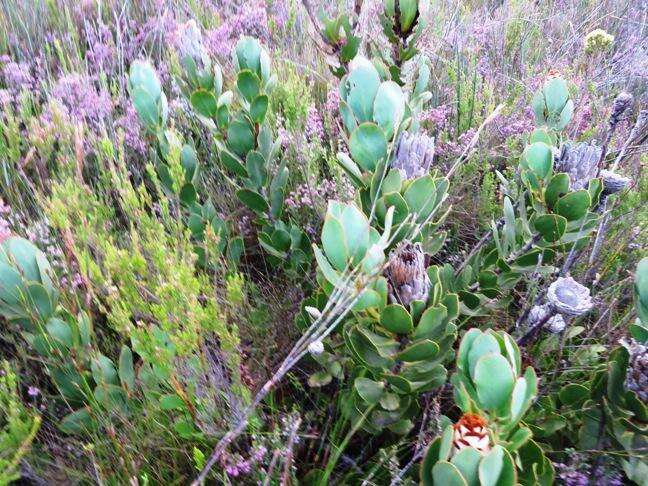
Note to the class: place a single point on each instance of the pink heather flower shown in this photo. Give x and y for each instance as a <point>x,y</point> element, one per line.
<point>133,136</point>
<point>83,101</point>
<point>32,391</point>
<point>280,12</point>
<point>583,119</point>
<point>332,101</point>
<point>517,123</point>
<point>5,97</point>
<point>250,18</point>
<point>314,125</point>
<point>17,76</point>
<point>101,53</point>
<point>5,226</point>
<point>437,116</point>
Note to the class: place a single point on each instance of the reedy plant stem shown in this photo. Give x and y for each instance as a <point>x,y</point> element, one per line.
<point>335,456</point>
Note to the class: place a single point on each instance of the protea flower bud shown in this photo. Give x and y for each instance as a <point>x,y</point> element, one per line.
<point>414,155</point>
<point>613,182</point>
<point>568,297</point>
<point>316,348</point>
<point>580,161</point>
<point>471,431</point>
<point>637,377</point>
<point>406,274</point>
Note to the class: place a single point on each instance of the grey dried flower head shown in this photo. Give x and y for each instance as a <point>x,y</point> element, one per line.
<point>580,161</point>
<point>637,377</point>
<point>190,42</point>
<point>545,315</point>
<point>621,103</point>
<point>538,314</point>
<point>406,274</point>
<point>613,182</point>
<point>556,324</point>
<point>414,154</point>
<point>568,297</point>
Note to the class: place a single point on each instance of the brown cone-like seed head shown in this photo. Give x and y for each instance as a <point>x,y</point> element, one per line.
<point>471,431</point>
<point>407,275</point>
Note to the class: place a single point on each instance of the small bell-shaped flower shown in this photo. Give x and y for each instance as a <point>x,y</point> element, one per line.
<point>316,348</point>
<point>556,324</point>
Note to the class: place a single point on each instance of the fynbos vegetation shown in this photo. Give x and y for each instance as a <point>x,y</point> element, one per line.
<point>281,242</point>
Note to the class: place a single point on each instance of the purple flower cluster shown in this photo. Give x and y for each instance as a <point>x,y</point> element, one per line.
<point>314,125</point>
<point>453,148</point>
<point>513,125</point>
<point>130,124</point>
<point>250,18</point>
<point>17,76</point>
<point>309,196</point>
<point>101,53</point>
<point>237,466</point>
<point>437,116</point>
<point>280,12</point>
<point>83,101</point>
<point>5,225</point>
<point>583,119</point>
<point>569,477</point>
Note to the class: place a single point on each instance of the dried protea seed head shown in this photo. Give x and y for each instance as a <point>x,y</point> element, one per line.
<point>556,324</point>
<point>613,182</point>
<point>414,155</point>
<point>580,161</point>
<point>637,377</point>
<point>621,103</point>
<point>538,314</point>
<point>569,297</point>
<point>190,42</point>
<point>471,431</point>
<point>406,274</point>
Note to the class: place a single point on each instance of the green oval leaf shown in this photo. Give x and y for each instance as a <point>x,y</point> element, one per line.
<point>259,108</point>
<point>396,319</point>
<point>248,84</point>
<point>253,200</point>
<point>240,136</point>
<point>550,226</point>
<point>368,146</point>
<point>493,378</point>
<point>370,391</point>
<point>204,102</point>
<point>446,474</point>
<point>573,206</point>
